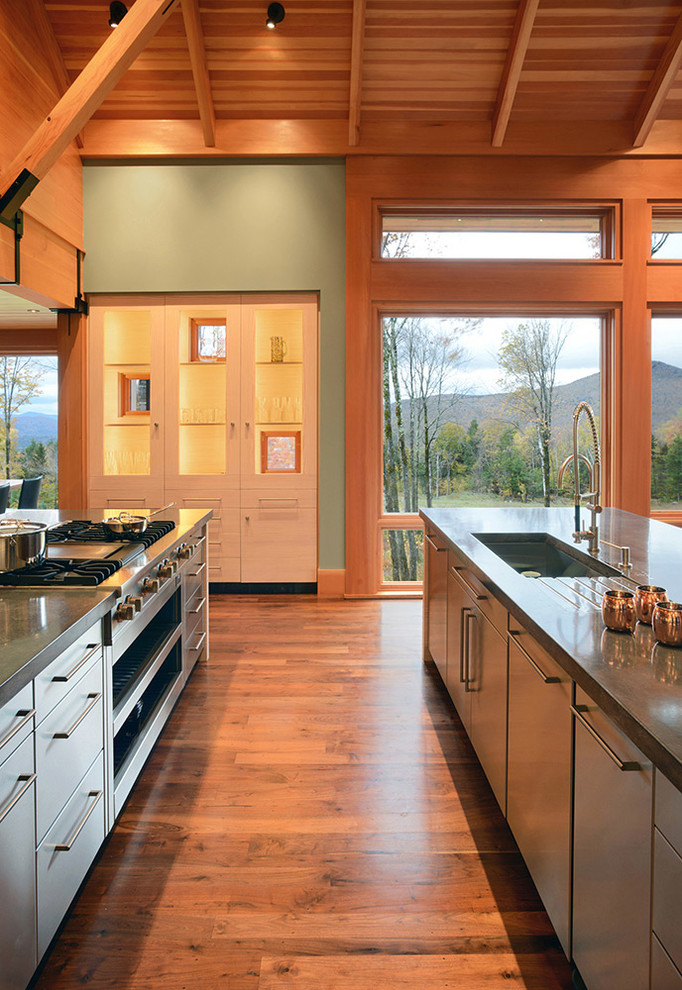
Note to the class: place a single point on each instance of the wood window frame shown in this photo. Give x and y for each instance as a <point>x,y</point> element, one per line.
<point>663,310</point>
<point>194,349</point>
<point>124,381</point>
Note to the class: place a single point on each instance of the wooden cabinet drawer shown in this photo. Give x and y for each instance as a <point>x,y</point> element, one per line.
<point>16,720</point>
<point>668,898</point>
<point>17,868</point>
<point>668,813</point>
<point>67,742</point>
<point>55,682</point>
<point>664,975</point>
<point>487,603</point>
<point>67,851</point>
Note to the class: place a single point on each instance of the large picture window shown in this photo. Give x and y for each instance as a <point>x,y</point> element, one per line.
<point>666,412</point>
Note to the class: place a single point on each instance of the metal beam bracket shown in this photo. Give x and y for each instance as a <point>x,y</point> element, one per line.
<point>15,223</point>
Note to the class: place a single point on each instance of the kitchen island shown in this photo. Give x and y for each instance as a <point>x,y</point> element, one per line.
<point>89,674</point>
<point>578,728</point>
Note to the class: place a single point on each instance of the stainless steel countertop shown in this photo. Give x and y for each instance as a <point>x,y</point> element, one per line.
<point>36,624</point>
<point>636,681</point>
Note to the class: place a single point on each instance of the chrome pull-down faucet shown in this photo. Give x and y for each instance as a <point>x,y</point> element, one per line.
<point>592,533</point>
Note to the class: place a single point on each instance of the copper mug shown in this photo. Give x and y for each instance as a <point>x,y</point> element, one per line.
<point>646,596</point>
<point>278,349</point>
<point>667,623</point>
<point>618,611</point>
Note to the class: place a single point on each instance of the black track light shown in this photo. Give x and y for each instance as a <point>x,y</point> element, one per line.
<point>117,12</point>
<point>276,14</point>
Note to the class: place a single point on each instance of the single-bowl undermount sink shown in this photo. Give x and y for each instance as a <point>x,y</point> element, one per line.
<point>542,555</point>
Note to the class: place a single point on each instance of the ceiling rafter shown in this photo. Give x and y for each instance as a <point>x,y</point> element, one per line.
<point>83,97</point>
<point>356,58</point>
<point>523,27</point>
<point>197,57</point>
<point>52,50</point>
<point>659,87</point>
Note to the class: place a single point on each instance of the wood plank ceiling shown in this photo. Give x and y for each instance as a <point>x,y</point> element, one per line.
<point>401,76</point>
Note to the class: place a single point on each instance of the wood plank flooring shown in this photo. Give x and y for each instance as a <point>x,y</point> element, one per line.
<point>313,816</point>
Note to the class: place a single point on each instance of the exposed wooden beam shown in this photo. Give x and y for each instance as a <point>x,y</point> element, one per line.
<point>658,89</point>
<point>523,26</point>
<point>81,100</point>
<point>52,50</point>
<point>356,55</point>
<point>197,57</point>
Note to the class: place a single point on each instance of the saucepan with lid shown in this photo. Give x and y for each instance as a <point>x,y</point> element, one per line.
<point>127,523</point>
<point>22,542</point>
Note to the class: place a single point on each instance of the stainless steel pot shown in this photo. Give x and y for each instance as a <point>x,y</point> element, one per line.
<point>21,543</point>
<point>125,522</point>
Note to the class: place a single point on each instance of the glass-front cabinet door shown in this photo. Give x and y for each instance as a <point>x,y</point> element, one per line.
<point>126,435</point>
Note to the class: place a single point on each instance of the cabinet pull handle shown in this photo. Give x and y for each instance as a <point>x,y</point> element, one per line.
<point>199,645</point>
<point>198,570</point>
<point>435,546</point>
<point>513,635</point>
<point>92,649</point>
<point>195,611</point>
<point>621,764</point>
<point>28,779</point>
<point>290,499</point>
<point>474,594</point>
<point>25,716</point>
<point>66,846</point>
<point>470,615</point>
<point>65,735</point>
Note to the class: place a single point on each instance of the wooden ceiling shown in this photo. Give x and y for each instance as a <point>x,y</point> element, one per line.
<point>400,76</point>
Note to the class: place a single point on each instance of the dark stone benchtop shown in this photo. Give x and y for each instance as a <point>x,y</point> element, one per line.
<point>635,680</point>
<point>37,626</point>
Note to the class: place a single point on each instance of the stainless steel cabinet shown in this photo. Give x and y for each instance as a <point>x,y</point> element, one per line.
<point>435,602</point>
<point>17,867</point>
<point>539,773</point>
<point>612,854</point>
<point>459,611</point>
<point>666,970</point>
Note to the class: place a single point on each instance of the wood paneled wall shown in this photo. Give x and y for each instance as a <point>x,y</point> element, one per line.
<point>622,289</point>
<point>53,214</point>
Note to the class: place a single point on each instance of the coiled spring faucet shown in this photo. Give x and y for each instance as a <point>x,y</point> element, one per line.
<point>592,533</point>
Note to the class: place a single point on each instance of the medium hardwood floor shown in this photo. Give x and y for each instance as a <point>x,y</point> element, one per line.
<point>313,818</point>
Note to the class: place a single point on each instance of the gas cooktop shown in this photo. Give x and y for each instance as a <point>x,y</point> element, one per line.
<point>84,553</point>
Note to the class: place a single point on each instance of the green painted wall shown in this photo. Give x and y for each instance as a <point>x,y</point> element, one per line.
<point>234,227</point>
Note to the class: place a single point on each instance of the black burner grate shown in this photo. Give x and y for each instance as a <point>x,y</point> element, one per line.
<point>86,531</point>
<point>58,573</point>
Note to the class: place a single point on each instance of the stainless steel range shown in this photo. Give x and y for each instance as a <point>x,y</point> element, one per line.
<point>154,635</point>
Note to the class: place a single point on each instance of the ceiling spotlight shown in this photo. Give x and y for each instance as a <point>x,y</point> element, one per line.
<point>117,12</point>
<point>276,14</point>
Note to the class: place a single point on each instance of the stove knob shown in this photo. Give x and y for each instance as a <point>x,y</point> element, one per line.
<point>165,570</point>
<point>150,586</point>
<point>125,612</point>
<point>135,601</point>
<point>185,551</point>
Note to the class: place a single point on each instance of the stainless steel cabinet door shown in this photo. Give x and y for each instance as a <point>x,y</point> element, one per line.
<point>486,682</point>
<point>612,854</point>
<point>17,869</point>
<point>435,603</point>
<point>539,774</point>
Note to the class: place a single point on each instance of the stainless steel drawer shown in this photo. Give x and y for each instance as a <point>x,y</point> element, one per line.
<point>668,898</point>
<point>67,742</point>
<point>16,721</point>
<point>67,851</point>
<point>664,976</point>
<point>668,813</point>
<point>55,682</point>
<point>17,868</point>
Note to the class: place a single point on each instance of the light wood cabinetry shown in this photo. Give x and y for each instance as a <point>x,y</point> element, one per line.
<point>539,773</point>
<point>666,948</point>
<point>230,383</point>
<point>611,854</point>
<point>477,671</point>
<point>17,842</point>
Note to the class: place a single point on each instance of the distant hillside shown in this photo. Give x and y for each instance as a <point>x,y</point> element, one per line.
<point>666,389</point>
<point>35,426</point>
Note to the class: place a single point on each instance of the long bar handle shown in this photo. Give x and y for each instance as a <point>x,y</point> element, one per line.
<point>435,546</point>
<point>513,634</point>
<point>621,764</point>
<point>92,649</point>
<point>66,846</point>
<point>28,778</point>
<point>200,644</point>
<point>474,594</point>
<point>464,644</point>
<point>283,499</point>
<point>195,611</point>
<point>69,732</point>
<point>25,716</point>
<point>198,571</point>
<point>470,615</point>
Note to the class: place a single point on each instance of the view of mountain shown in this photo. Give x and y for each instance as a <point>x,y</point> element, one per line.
<point>35,426</point>
<point>666,400</point>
